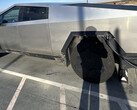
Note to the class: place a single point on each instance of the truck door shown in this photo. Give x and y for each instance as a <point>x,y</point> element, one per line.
<point>34,30</point>
<point>9,36</point>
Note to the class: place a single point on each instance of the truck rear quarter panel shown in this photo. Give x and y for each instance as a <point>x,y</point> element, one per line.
<point>66,19</point>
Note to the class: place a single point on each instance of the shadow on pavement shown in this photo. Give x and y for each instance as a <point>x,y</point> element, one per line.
<point>13,61</point>
<point>114,88</point>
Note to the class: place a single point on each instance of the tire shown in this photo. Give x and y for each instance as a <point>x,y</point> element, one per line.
<point>93,60</point>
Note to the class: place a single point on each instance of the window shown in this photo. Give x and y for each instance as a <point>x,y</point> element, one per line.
<point>34,13</point>
<point>24,13</point>
<point>12,15</point>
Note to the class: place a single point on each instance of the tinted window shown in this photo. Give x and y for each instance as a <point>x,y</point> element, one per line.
<point>34,13</point>
<point>12,15</point>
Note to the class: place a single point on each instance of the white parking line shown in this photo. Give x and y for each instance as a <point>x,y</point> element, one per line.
<point>62,99</point>
<point>16,94</point>
<point>71,88</point>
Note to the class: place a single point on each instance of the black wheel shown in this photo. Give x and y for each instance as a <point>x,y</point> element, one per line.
<point>93,60</point>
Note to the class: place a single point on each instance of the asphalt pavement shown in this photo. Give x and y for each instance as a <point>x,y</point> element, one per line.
<point>31,83</point>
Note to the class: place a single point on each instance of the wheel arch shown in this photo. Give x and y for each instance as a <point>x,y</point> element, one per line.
<point>75,37</point>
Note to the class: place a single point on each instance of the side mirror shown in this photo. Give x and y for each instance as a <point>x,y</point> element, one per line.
<point>2,22</point>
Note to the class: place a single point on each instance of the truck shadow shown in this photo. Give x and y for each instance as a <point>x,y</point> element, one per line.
<point>12,62</point>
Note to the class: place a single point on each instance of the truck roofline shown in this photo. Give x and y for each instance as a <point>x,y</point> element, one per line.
<point>93,5</point>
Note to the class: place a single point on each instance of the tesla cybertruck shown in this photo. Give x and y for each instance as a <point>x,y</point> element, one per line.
<point>90,37</point>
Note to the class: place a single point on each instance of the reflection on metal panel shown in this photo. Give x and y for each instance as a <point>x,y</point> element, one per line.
<point>123,29</point>
<point>9,37</point>
<point>35,37</point>
<point>121,23</point>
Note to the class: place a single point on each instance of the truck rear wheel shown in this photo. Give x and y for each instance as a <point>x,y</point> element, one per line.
<point>93,60</point>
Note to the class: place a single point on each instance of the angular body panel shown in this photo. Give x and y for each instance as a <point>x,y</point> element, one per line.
<point>9,37</point>
<point>121,23</point>
<point>35,37</point>
<point>48,36</point>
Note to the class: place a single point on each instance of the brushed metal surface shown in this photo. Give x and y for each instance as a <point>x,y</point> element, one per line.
<point>9,37</point>
<point>49,36</point>
<point>66,19</point>
<point>35,36</point>
<point>123,29</point>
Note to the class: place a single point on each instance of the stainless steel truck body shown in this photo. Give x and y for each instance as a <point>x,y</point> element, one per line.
<point>56,29</point>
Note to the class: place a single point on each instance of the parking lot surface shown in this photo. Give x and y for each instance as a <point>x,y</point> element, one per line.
<point>31,83</point>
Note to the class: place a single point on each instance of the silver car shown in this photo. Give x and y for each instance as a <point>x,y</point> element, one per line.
<point>90,37</point>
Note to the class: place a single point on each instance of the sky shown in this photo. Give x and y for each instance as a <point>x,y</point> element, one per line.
<point>4,4</point>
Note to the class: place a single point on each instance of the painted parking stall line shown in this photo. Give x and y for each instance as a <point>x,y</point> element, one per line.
<point>62,99</point>
<point>64,86</point>
<point>16,94</point>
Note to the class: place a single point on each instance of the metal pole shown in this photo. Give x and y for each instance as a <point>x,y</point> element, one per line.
<point>87,1</point>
